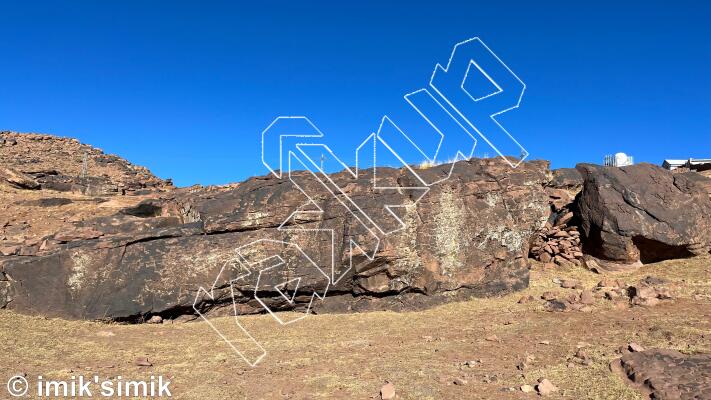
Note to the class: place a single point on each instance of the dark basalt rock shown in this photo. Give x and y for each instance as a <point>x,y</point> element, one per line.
<point>642,213</point>
<point>468,236</point>
<point>566,178</point>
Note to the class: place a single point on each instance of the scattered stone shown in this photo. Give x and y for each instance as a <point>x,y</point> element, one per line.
<point>555,306</point>
<point>583,358</point>
<point>545,387</point>
<point>664,294</point>
<point>9,250</point>
<point>387,392</point>
<point>143,362</point>
<point>549,296</point>
<point>587,297</point>
<point>569,283</point>
<point>645,301</point>
<point>460,382</point>
<point>643,294</point>
<point>634,347</point>
<point>612,295</point>
<point>527,388</point>
<point>522,300</point>
<point>156,319</point>
<point>654,281</point>
<point>492,338</point>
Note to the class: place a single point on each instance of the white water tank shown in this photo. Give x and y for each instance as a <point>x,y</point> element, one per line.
<point>618,160</point>
<point>621,159</point>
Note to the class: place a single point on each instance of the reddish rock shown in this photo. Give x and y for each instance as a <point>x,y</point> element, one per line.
<point>387,392</point>
<point>587,297</point>
<point>77,234</point>
<point>143,362</point>
<point>17,179</point>
<point>666,374</point>
<point>545,387</point>
<point>569,283</point>
<point>468,236</point>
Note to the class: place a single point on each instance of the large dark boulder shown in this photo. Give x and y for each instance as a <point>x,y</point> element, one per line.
<point>467,236</point>
<point>642,213</point>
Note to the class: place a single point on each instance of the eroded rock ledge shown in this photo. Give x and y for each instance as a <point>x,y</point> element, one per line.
<point>467,237</point>
<point>149,247</point>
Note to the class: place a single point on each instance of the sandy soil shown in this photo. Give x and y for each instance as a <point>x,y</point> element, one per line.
<point>351,356</point>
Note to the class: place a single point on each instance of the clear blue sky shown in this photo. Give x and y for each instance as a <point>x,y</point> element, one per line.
<point>185,88</point>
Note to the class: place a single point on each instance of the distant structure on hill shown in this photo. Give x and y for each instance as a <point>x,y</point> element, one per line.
<point>618,160</point>
<point>691,164</point>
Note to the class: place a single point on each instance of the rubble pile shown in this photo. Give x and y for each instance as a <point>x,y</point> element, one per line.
<point>557,243</point>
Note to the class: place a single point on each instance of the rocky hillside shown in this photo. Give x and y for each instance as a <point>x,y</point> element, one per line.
<point>81,253</point>
<point>64,164</point>
<point>48,183</point>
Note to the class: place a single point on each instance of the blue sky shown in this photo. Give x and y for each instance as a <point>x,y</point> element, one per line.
<point>185,88</point>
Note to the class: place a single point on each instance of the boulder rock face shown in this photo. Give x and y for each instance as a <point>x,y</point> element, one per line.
<point>701,179</point>
<point>642,213</point>
<point>264,245</point>
<point>667,374</point>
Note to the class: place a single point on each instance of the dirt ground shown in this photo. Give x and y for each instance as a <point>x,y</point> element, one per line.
<point>352,356</point>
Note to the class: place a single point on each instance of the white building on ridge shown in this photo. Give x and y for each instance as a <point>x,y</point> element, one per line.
<point>618,160</point>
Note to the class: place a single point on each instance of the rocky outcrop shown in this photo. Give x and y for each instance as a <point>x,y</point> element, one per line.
<point>667,374</point>
<point>641,213</point>
<point>274,243</point>
<point>64,164</point>
<point>564,185</point>
<point>701,179</point>
<point>566,178</point>
<point>17,179</point>
<point>468,236</point>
